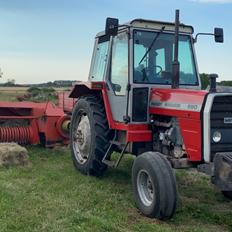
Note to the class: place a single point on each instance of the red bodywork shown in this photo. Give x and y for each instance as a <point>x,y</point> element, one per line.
<point>43,123</point>
<point>65,102</point>
<point>183,104</point>
<point>134,132</point>
<point>186,106</point>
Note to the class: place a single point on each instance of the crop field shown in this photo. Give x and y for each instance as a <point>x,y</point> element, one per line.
<point>11,93</point>
<point>50,195</point>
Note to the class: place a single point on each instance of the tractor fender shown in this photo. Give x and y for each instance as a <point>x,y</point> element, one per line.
<point>84,88</point>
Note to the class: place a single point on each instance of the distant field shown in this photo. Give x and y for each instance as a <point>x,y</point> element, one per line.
<point>24,89</point>
<point>10,89</point>
<point>11,93</point>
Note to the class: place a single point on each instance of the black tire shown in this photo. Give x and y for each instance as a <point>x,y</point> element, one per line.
<point>227,194</point>
<point>163,183</point>
<point>92,107</point>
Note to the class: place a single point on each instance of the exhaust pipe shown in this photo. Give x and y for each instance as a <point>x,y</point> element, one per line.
<point>176,64</point>
<point>213,82</point>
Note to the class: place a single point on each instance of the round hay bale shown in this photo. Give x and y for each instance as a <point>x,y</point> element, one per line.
<point>12,154</point>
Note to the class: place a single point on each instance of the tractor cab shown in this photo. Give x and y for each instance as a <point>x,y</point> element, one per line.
<point>137,57</point>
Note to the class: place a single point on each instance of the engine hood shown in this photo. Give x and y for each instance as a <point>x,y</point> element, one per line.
<point>177,102</point>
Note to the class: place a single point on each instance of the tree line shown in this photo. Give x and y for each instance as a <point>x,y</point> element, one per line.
<point>205,81</point>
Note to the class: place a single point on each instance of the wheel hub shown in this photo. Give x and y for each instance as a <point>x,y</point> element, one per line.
<point>82,139</point>
<point>145,187</point>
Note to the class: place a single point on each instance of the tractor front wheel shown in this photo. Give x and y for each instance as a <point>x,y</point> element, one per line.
<point>154,185</point>
<point>89,135</point>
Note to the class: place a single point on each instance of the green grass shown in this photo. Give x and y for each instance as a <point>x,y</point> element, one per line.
<point>50,195</point>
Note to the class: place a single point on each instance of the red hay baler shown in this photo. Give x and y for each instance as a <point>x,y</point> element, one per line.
<point>33,123</point>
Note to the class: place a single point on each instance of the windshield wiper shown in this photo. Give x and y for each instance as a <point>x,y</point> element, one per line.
<point>152,44</point>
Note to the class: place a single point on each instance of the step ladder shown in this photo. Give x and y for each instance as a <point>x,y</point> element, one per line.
<point>106,159</point>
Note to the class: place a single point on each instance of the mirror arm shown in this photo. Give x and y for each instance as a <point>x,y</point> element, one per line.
<point>195,39</point>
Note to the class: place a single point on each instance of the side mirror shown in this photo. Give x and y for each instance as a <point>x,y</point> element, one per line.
<point>111,26</point>
<point>218,35</point>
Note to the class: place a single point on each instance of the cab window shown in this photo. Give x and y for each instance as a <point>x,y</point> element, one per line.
<point>119,64</point>
<point>99,62</point>
<point>154,55</point>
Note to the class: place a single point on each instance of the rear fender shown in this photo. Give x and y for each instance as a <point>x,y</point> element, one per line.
<point>84,88</point>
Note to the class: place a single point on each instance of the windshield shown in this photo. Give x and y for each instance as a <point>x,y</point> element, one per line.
<point>156,67</point>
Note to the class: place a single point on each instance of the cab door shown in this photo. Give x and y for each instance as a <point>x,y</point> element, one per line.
<point>117,79</point>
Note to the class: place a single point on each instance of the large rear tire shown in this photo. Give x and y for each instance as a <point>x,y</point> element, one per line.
<point>89,135</point>
<point>154,185</point>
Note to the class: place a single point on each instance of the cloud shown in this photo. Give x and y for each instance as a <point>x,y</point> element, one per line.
<point>213,1</point>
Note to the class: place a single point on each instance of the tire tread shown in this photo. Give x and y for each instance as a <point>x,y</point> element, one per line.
<point>101,134</point>
<point>166,189</point>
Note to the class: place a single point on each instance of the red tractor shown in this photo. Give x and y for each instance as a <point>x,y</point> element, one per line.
<point>144,97</point>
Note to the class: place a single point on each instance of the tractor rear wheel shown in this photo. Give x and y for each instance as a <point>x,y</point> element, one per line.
<point>154,185</point>
<point>227,194</point>
<point>89,135</point>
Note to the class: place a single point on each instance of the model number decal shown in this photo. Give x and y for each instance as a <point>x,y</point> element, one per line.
<point>228,120</point>
<point>176,106</point>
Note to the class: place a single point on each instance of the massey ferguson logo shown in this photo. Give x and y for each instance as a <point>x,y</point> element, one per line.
<point>228,120</point>
<point>176,106</point>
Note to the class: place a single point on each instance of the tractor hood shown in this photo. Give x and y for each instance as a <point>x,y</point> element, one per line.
<point>177,102</point>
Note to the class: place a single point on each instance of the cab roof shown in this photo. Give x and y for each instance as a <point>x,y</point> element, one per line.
<point>153,25</point>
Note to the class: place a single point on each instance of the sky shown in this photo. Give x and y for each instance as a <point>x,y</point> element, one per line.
<point>47,40</point>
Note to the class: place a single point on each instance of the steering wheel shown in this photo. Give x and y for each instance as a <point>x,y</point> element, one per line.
<point>161,69</point>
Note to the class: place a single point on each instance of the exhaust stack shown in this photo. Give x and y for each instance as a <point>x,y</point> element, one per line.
<point>176,64</point>
<point>213,82</point>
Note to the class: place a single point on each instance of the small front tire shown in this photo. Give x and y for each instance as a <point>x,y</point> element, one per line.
<point>154,185</point>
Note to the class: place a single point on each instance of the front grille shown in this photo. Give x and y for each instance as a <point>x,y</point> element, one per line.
<point>221,110</point>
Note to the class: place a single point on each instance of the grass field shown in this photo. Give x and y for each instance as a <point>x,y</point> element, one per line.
<point>50,195</point>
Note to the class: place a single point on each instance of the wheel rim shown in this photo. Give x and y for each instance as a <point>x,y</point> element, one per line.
<point>145,187</point>
<point>82,140</point>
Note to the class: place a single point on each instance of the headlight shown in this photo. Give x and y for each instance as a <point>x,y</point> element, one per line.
<point>217,136</point>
